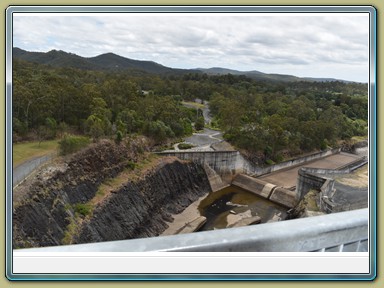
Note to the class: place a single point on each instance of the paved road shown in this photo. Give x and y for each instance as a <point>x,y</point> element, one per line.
<point>203,140</point>
<point>207,137</point>
<point>287,178</point>
<point>23,170</point>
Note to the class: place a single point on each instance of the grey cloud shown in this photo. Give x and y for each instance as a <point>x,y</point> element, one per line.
<point>243,42</point>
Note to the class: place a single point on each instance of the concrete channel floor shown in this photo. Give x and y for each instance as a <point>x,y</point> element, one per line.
<point>287,178</point>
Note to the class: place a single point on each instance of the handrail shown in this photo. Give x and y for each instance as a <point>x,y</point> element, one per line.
<point>342,232</point>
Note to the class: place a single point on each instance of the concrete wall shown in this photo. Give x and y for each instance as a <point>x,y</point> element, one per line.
<point>251,169</point>
<point>256,186</point>
<point>231,162</point>
<point>307,181</point>
<point>225,163</point>
<point>314,178</point>
<point>214,179</point>
<point>331,207</point>
<point>266,190</point>
<point>284,197</point>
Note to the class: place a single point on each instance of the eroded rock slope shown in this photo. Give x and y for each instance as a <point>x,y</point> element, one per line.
<point>139,208</point>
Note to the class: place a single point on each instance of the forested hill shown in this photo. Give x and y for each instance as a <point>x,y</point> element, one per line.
<point>113,62</point>
<point>269,120</point>
<point>108,61</point>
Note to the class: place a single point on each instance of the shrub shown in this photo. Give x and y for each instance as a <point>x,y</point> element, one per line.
<point>70,144</point>
<point>83,209</point>
<point>119,137</point>
<point>131,165</point>
<point>184,146</point>
<point>199,124</point>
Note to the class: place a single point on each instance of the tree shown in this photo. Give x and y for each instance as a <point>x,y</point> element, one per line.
<point>199,124</point>
<point>98,123</point>
<point>51,125</point>
<point>94,127</point>
<point>158,131</point>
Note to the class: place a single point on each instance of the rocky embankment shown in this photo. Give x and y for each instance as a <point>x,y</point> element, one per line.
<point>141,208</point>
<point>51,211</point>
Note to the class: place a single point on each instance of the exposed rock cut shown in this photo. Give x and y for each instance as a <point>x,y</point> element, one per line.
<point>137,209</point>
<point>141,209</point>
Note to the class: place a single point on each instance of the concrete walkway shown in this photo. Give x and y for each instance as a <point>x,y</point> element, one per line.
<point>287,178</point>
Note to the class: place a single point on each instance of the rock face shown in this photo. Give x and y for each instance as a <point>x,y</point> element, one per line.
<point>138,209</point>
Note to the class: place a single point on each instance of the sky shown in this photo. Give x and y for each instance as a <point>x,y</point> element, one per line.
<point>304,45</point>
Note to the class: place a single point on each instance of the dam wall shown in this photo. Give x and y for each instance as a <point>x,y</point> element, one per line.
<point>331,199</point>
<point>314,178</point>
<point>224,163</point>
<point>232,162</point>
<point>266,190</point>
<point>251,169</point>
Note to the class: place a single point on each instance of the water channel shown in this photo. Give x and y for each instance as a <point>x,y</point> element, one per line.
<point>232,204</point>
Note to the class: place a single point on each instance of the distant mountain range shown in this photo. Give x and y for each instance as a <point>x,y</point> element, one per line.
<point>113,62</point>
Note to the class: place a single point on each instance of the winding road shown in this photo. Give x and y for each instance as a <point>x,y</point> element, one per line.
<point>202,141</point>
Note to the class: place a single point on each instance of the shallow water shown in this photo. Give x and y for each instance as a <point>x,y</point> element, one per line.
<point>233,200</point>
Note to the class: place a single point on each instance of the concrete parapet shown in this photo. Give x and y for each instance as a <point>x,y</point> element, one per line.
<point>307,181</point>
<point>321,180</point>
<point>284,197</point>
<point>314,178</point>
<point>223,162</point>
<point>352,166</point>
<point>227,163</point>
<point>256,186</point>
<point>258,171</point>
<point>328,206</point>
<point>279,195</point>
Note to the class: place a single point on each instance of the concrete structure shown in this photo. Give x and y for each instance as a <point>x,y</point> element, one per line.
<point>284,197</point>
<point>231,162</point>
<point>266,190</point>
<point>287,177</point>
<point>314,178</point>
<point>333,196</point>
<point>253,170</point>
<point>253,185</point>
<point>278,182</point>
<point>225,163</point>
<point>193,226</point>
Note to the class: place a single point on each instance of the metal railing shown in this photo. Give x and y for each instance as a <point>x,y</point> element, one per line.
<point>340,232</point>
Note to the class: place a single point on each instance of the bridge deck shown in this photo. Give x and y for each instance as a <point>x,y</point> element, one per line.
<point>287,178</point>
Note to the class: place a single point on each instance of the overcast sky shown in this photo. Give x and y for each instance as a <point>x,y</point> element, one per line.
<point>306,45</point>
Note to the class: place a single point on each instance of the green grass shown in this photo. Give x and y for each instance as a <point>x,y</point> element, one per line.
<point>25,151</point>
<point>194,104</point>
<point>359,138</point>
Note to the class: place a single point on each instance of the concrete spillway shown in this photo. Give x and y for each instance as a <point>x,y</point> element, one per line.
<point>266,190</point>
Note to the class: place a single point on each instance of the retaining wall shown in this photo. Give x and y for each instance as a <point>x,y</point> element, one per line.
<point>232,162</point>
<point>251,169</point>
<point>316,178</point>
<point>266,190</point>
<point>225,163</point>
